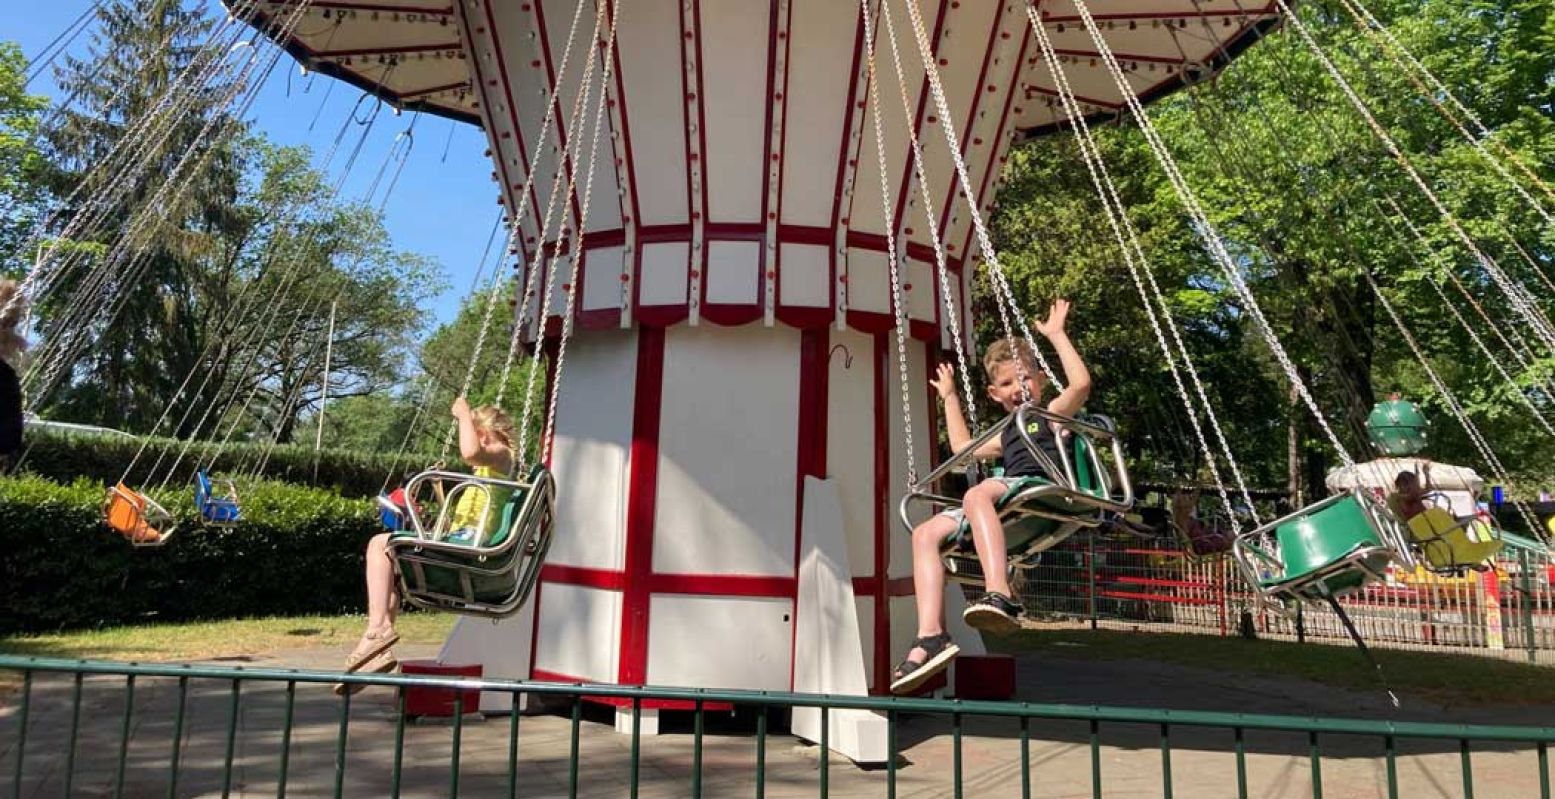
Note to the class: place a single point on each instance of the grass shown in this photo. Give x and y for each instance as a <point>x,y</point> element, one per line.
<point>218,639</point>
<point>1443,678</point>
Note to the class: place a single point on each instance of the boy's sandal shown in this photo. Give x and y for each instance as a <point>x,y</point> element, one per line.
<point>910,674</point>
<point>381,663</point>
<point>369,647</point>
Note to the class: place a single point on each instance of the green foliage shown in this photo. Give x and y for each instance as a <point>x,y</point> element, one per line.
<point>382,422</point>
<point>102,460</point>
<point>21,194</point>
<point>1301,190</point>
<point>296,551</point>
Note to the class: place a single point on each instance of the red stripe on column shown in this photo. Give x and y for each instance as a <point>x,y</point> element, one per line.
<point>642,495</point>
<point>814,375</point>
<point>882,498</point>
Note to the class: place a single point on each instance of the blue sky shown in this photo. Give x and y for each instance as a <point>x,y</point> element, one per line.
<point>444,209</point>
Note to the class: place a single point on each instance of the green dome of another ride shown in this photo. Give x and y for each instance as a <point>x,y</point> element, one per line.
<point>1397,427</point>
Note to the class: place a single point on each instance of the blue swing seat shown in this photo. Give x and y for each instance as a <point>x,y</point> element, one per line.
<point>218,510</point>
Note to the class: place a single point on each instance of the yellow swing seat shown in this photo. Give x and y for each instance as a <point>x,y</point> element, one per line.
<point>138,518</point>
<point>1450,544</point>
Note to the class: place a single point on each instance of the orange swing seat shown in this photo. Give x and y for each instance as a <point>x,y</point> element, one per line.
<point>136,517</point>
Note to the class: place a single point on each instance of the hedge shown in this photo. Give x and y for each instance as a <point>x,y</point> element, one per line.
<point>64,457</point>
<point>297,551</point>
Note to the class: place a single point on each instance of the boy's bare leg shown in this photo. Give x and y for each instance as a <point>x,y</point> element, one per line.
<point>988,534</point>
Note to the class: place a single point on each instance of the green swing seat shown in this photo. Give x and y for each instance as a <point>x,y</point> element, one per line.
<point>1324,550</point>
<point>492,577</point>
<point>1037,513</point>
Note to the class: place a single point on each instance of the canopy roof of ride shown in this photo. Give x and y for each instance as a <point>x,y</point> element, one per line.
<point>411,54</point>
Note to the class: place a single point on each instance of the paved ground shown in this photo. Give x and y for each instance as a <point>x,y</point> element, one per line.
<point>1202,762</point>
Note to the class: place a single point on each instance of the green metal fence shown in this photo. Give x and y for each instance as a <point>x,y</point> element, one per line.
<point>228,723</point>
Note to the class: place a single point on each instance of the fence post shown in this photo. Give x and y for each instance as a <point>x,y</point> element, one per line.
<point>1301,623</point>
<point>1523,578</point>
<point>1090,574</point>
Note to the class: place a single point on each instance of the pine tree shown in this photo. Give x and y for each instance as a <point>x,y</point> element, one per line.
<point>134,357</point>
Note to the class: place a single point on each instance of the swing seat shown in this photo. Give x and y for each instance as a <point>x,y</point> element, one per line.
<point>1325,550</point>
<point>1448,544</point>
<point>221,511</point>
<point>491,576</point>
<point>136,517</point>
<point>393,510</point>
<point>1037,513</point>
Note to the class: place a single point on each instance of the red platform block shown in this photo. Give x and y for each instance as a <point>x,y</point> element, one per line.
<point>990,677</point>
<point>440,701</point>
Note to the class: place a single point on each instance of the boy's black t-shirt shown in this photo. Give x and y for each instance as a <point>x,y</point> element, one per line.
<point>1018,460</point>
<point>10,411</point>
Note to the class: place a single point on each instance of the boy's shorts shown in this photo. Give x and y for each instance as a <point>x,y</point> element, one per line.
<point>959,515</point>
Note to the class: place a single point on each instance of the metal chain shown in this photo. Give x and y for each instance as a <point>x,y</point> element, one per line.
<point>1134,257</point>
<point>1531,314</point>
<point>1206,230</point>
<point>898,307</point>
<point>1437,90</point>
<point>984,241</point>
<point>519,212</point>
<point>548,436</point>
<point>564,166</point>
<point>941,270</point>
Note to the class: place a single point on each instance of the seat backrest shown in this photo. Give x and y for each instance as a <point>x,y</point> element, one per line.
<point>202,488</point>
<point>1313,540</point>
<point>1431,524</point>
<point>507,519</point>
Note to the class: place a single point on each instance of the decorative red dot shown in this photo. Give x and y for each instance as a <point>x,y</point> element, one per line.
<point>566,287</point>
<point>480,29</point>
<point>843,279</point>
<point>778,97</point>
<point>695,273</point>
<point>771,275</point>
<point>774,157</point>
<point>625,278</point>
<point>771,215</point>
<point>977,141</point>
<point>992,87</point>
<point>844,220</point>
<point>691,96</point>
<point>933,120</point>
<point>908,231</point>
<point>907,287</point>
<point>944,62</point>
<point>535,63</point>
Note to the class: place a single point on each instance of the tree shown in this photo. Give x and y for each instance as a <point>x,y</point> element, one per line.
<point>1301,189</point>
<point>21,193</point>
<point>140,327</point>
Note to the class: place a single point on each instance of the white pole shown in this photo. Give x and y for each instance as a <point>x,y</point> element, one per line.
<point>329,350</point>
